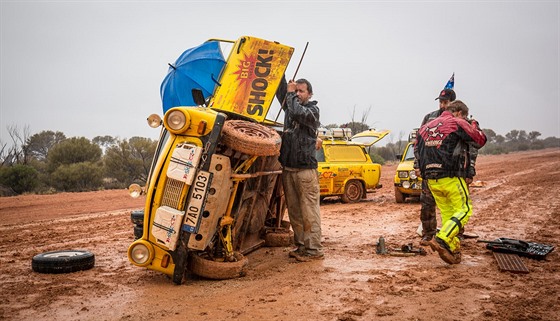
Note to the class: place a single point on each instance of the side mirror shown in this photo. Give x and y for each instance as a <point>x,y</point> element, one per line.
<point>198,97</point>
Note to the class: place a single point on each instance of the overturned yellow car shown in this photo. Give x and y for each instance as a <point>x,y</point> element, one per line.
<point>345,166</point>
<point>213,193</point>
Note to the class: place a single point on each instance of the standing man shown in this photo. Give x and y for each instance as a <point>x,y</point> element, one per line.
<point>299,175</point>
<point>428,204</point>
<point>442,164</point>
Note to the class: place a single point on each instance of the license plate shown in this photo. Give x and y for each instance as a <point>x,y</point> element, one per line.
<point>197,201</point>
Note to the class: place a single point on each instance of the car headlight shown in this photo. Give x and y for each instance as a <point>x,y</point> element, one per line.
<point>177,120</point>
<point>413,174</point>
<point>406,184</point>
<point>403,174</point>
<point>141,253</point>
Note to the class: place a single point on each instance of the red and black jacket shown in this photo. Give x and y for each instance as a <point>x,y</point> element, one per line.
<point>440,146</point>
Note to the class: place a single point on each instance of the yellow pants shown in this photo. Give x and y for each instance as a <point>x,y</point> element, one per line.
<point>452,199</point>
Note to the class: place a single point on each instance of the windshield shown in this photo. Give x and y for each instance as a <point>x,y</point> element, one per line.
<point>163,137</point>
<point>409,153</point>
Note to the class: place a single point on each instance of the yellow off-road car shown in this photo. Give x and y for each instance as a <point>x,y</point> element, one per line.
<point>345,167</point>
<point>213,193</point>
<point>407,184</point>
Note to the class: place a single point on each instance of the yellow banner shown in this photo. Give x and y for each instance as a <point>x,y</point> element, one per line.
<point>251,76</point>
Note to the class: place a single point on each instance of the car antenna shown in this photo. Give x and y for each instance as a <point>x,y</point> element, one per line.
<point>294,77</point>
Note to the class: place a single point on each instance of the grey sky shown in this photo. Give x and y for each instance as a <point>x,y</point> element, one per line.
<point>91,68</point>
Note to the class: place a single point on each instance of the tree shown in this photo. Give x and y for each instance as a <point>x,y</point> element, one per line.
<point>39,145</point>
<point>73,150</point>
<point>129,161</point>
<point>534,135</point>
<point>104,141</point>
<point>14,153</point>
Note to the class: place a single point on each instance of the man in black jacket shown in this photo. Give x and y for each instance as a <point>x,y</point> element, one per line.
<point>299,175</point>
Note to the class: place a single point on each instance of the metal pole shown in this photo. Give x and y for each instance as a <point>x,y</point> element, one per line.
<point>293,78</point>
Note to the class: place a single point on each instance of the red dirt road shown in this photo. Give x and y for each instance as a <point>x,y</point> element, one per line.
<point>520,200</point>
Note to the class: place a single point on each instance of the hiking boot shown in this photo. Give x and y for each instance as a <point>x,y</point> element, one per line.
<point>306,257</point>
<point>425,241</point>
<point>295,253</point>
<point>439,246</point>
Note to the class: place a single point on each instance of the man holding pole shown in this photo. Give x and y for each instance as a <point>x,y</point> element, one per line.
<point>299,176</point>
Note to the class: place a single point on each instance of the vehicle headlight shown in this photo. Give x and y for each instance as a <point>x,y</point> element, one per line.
<point>177,120</point>
<point>135,190</point>
<point>141,253</point>
<point>406,184</point>
<point>413,174</point>
<point>403,174</point>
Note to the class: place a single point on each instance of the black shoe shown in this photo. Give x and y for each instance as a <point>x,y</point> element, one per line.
<point>308,257</point>
<point>426,240</point>
<point>439,246</point>
<point>295,253</point>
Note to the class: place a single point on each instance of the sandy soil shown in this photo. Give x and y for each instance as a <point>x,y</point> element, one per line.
<point>520,200</point>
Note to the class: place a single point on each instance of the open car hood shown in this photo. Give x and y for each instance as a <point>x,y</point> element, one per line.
<point>370,137</point>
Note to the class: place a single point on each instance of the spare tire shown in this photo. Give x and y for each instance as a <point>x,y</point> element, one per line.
<point>251,138</point>
<point>65,261</point>
<point>204,266</point>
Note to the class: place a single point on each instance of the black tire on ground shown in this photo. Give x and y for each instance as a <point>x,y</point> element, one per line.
<point>251,138</point>
<point>353,192</point>
<point>137,217</point>
<point>203,266</point>
<point>138,231</point>
<point>399,197</point>
<point>63,261</point>
<point>279,239</point>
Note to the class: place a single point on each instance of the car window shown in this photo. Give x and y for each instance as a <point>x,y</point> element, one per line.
<point>320,155</point>
<point>409,153</point>
<point>345,153</point>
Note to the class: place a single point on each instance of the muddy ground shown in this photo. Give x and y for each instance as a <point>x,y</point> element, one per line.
<point>520,200</point>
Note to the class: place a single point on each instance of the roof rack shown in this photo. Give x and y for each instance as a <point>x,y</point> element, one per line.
<point>335,133</point>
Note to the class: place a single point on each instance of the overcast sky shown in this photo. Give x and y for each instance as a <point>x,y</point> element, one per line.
<point>91,68</point>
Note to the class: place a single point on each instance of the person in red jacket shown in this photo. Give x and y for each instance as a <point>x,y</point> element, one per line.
<point>442,163</point>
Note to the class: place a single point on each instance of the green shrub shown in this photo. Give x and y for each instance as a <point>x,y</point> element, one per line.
<point>77,177</point>
<point>20,178</point>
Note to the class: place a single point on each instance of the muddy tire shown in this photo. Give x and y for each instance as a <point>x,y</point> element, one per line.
<point>399,197</point>
<point>137,217</point>
<point>279,238</point>
<point>353,192</point>
<point>63,261</point>
<point>138,231</point>
<point>205,267</point>
<point>251,138</point>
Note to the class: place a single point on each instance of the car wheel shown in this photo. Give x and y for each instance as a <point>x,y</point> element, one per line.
<point>63,261</point>
<point>204,266</point>
<point>279,238</point>
<point>138,231</point>
<point>353,192</point>
<point>399,197</point>
<point>137,217</point>
<point>251,138</point>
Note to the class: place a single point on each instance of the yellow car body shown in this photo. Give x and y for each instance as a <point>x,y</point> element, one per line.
<point>345,167</point>
<point>407,184</point>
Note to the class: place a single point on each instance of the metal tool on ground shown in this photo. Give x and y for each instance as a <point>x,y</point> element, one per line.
<point>410,250</point>
<point>531,250</point>
<point>381,249</point>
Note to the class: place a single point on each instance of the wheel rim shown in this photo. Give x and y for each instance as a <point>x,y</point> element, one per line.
<point>354,191</point>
